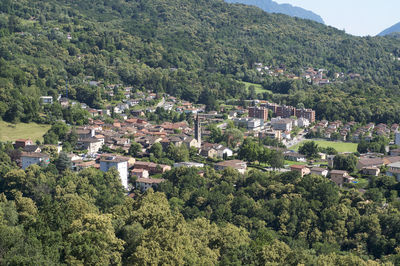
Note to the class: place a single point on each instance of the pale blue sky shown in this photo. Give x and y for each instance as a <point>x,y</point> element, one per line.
<point>357,17</point>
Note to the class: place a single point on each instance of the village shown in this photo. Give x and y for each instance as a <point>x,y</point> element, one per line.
<point>130,140</point>
<point>310,74</point>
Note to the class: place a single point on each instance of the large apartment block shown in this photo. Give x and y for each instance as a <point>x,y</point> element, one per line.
<point>308,114</point>
<point>285,111</point>
<point>258,112</point>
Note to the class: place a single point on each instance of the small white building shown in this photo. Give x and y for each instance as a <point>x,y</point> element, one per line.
<point>46,100</point>
<point>303,122</point>
<point>120,163</point>
<point>189,164</point>
<point>145,183</point>
<point>92,145</point>
<point>30,158</point>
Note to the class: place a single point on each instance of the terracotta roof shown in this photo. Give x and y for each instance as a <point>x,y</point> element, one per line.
<point>150,180</point>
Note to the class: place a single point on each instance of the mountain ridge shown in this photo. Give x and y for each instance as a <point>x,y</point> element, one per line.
<point>287,9</point>
<point>393,29</point>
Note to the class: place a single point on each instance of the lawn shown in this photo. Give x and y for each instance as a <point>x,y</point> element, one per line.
<point>259,88</point>
<point>337,145</point>
<point>11,132</point>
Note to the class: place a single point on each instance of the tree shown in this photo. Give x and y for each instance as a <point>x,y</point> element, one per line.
<point>250,151</point>
<point>232,137</point>
<point>343,162</point>
<point>309,149</point>
<point>276,159</point>
<point>135,149</point>
<point>157,150</point>
<point>92,241</point>
<point>63,162</point>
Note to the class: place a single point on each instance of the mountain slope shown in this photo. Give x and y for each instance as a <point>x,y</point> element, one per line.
<point>211,44</point>
<point>287,9</point>
<point>395,28</point>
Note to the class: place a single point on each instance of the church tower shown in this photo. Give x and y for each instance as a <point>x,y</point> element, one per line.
<point>197,131</point>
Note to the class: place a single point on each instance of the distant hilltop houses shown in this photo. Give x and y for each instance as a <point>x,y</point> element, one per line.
<point>312,75</point>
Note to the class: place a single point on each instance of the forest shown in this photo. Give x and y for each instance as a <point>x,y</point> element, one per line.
<point>52,216</point>
<point>200,51</point>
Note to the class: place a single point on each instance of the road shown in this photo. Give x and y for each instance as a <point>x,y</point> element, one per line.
<point>299,138</point>
<point>161,103</point>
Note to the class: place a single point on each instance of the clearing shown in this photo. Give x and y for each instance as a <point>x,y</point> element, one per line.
<point>11,132</point>
<point>259,88</point>
<point>337,145</point>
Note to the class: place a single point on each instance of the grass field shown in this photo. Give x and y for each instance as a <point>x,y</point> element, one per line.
<point>11,132</point>
<point>259,88</point>
<point>339,146</point>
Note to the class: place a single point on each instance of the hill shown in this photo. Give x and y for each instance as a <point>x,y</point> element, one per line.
<point>393,29</point>
<point>201,51</point>
<point>287,9</point>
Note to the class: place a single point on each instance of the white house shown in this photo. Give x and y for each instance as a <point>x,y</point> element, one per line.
<point>92,145</point>
<point>189,164</point>
<point>46,99</point>
<point>120,163</point>
<point>303,122</point>
<point>30,158</point>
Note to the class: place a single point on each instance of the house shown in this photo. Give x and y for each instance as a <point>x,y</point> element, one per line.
<point>21,143</point>
<point>189,164</point>
<point>145,183</point>
<point>223,152</point>
<point>394,170</point>
<point>395,152</point>
<point>32,148</point>
<point>303,122</point>
<point>80,165</point>
<point>302,169</point>
<point>282,124</point>
<point>369,162</point>
<point>374,171</point>
<point>295,157</point>
<point>340,177</point>
<point>140,173</point>
<point>319,171</point>
<point>235,164</point>
<point>92,145</point>
<point>120,163</point>
<point>208,151</point>
<point>29,158</point>
<point>153,168</point>
<point>249,123</point>
<point>46,99</point>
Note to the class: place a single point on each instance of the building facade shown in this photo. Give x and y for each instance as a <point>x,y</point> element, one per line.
<point>120,163</point>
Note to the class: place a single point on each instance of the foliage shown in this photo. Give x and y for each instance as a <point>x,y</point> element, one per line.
<point>309,149</point>
<point>345,162</point>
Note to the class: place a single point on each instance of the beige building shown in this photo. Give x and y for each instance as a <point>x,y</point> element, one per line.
<point>340,177</point>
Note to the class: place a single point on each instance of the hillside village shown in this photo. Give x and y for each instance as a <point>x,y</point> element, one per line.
<point>127,141</point>
<point>310,74</point>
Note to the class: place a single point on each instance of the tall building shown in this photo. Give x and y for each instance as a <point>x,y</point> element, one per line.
<point>285,111</point>
<point>258,112</point>
<point>308,114</point>
<point>197,131</point>
<point>120,163</point>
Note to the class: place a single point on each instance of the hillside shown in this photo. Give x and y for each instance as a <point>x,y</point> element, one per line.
<point>287,9</point>
<point>393,29</point>
<point>212,45</point>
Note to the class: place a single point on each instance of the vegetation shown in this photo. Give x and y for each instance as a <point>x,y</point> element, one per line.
<point>337,145</point>
<point>198,50</point>
<point>11,132</point>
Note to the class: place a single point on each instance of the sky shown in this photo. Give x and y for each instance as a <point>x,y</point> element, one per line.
<point>357,17</point>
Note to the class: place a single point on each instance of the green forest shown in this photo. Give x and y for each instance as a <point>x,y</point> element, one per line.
<point>200,51</point>
<point>52,216</point>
